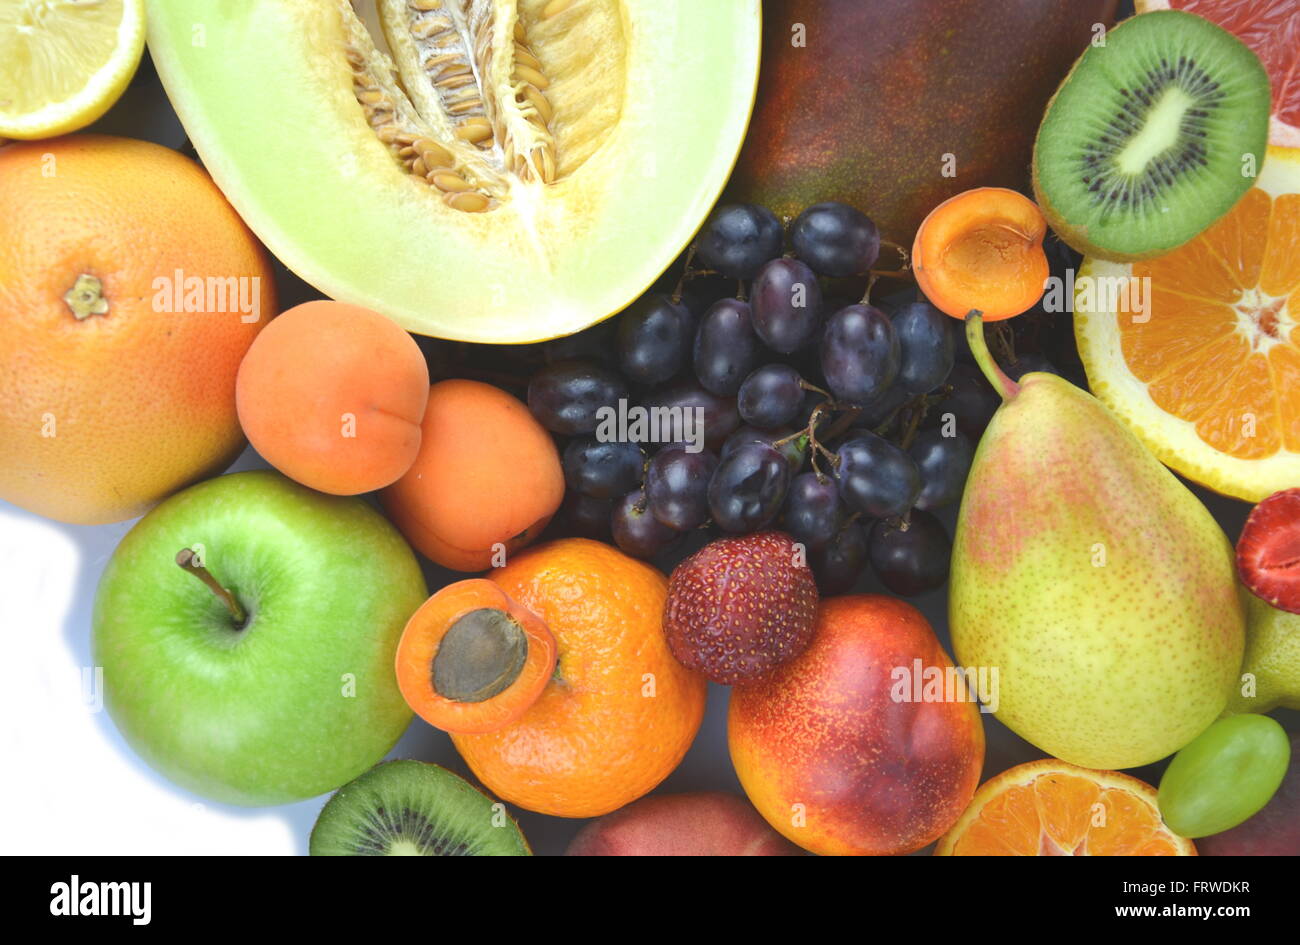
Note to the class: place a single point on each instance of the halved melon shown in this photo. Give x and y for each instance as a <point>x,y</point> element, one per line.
<point>480,170</point>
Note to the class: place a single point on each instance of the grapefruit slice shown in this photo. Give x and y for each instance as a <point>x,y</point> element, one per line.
<point>1272,29</point>
<point>1198,351</point>
<point>1052,808</point>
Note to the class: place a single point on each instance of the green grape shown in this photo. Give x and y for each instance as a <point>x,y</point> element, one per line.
<point>1224,775</point>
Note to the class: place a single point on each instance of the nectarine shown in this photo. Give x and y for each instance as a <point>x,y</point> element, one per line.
<point>838,749</point>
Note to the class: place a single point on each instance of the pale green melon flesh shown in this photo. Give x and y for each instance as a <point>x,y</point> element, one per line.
<point>268,105</point>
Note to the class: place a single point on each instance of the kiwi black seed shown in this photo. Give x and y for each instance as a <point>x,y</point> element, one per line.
<point>1152,136</point>
<point>410,808</point>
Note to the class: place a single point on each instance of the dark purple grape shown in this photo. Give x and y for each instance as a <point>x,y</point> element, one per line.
<point>787,304</point>
<point>684,405</point>
<point>655,337</point>
<point>971,404</point>
<point>677,487</point>
<point>925,344</point>
<point>884,408</point>
<point>794,449</point>
<point>726,348</point>
<point>813,510</point>
<point>748,487</point>
<point>1028,364</point>
<point>738,239</point>
<point>835,239</point>
<point>591,344</point>
<point>859,354</point>
<point>581,516</point>
<point>567,397</point>
<point>636,531</point>
<point>910,558</point>
<point>602,470</point>
<point>771,396</point>
<point>876,477</point>
<point>838,566</point>
<point>943,462</point>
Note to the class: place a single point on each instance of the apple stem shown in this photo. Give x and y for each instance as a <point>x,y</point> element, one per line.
<point>1005,386</point>
<point>186,559</point>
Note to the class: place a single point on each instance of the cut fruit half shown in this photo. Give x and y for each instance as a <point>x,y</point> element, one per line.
<point>1154,135</point>
<point>1198,351</point>
<point>1272,29</point>
<point>1052,808</point>
<point>482,170</point>
<point>63,63</point>
<point>471,660</point>
<point>410,808</point>
<point>982,250</point>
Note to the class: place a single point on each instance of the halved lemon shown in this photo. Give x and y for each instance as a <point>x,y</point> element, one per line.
<point>1198,351</point>
<point>63,63</point>
<point>1052,808</point>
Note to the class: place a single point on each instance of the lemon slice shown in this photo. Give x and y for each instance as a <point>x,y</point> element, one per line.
<point>63,63</point>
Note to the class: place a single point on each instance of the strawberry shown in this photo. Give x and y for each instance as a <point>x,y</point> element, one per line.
<point>1268,551</point>
<point>740,607</point>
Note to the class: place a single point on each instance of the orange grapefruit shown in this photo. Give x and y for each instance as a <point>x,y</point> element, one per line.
<point>129,292</point>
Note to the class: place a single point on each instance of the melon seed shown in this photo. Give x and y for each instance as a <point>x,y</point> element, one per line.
<point>450,183</point>
<point>475,130</point>
<point>469,201</point>
<point>531,76</point>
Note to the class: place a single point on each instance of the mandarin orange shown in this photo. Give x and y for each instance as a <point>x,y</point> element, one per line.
<point>620,712</point>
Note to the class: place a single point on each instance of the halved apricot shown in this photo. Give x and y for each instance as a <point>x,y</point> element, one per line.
<point>471,660</point>
<point>982,249</point>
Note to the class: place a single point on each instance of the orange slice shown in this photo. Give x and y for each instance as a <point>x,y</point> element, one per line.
<point>1198,351</point>
<point>1271,28</point>
<point>1052,808</point>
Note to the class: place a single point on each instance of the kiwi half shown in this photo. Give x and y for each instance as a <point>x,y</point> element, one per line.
<point>410,808</point>
<point>1152,136</point>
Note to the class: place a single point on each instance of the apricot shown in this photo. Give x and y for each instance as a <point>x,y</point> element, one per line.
<point>843,751</point>
<point>706,823</point>
<point>332,395</point>
<point>487,478</point>
<point>982,249</point>
<point>471,660</point>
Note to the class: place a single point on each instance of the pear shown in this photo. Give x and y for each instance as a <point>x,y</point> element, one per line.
<point>1270,672</point>
<point>1099,588</point>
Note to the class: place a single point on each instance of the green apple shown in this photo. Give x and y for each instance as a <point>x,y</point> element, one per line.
<point>247,629</point>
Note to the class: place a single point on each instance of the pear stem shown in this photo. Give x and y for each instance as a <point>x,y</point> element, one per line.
<point>1005,386</point>
<point>185,558</point>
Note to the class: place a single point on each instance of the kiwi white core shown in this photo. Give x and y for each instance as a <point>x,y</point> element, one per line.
<point>1161,132</point>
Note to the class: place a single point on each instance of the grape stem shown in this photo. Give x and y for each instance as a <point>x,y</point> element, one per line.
<point>804,385</point>
<point>688,274</point>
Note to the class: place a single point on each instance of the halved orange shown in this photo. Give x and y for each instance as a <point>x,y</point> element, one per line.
<point>1052,808</point>
<point>1272,29</point>
<point>1198,351</point>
